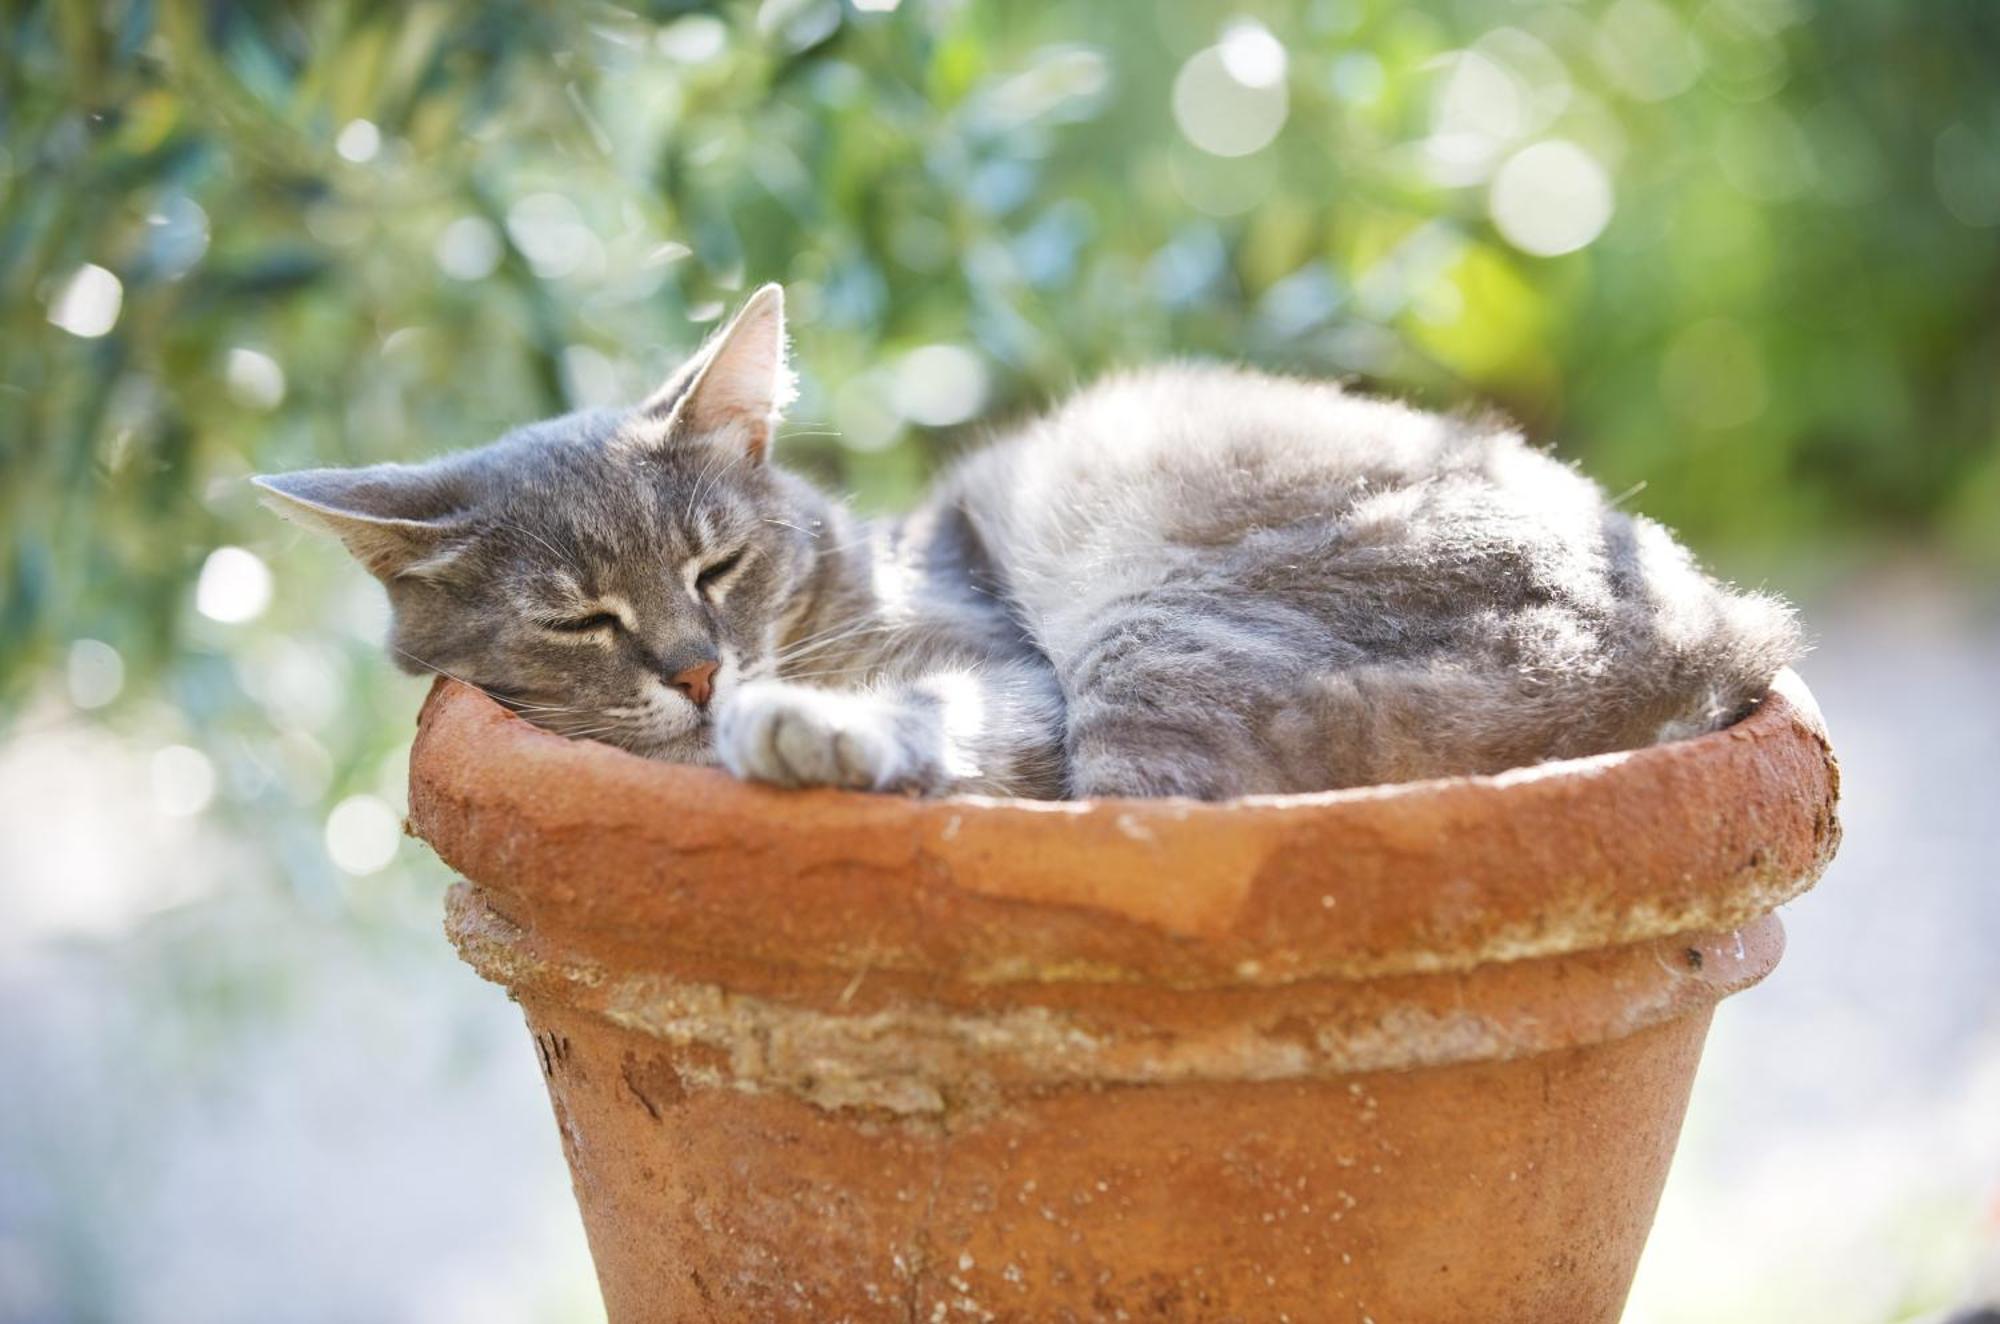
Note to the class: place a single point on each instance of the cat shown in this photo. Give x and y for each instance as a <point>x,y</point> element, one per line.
<point>1188,580</point>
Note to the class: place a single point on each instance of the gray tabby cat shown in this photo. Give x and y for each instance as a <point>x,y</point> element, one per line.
<point>1192,581</point>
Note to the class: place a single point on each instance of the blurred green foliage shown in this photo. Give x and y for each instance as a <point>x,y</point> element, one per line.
<point>345,232</point>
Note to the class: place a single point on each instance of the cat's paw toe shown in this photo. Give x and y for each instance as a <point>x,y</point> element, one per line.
<point>794,736</point>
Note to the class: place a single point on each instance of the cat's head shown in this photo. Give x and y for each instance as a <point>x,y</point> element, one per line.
<point>609,574</point>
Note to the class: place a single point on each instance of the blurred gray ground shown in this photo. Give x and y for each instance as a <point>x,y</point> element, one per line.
<point>222,1108</point>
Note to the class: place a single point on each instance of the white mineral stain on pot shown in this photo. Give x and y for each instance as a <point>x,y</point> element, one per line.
<point>1130,826</point>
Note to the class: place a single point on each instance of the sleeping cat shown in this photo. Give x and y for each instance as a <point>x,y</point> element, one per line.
<point>1195,581</point>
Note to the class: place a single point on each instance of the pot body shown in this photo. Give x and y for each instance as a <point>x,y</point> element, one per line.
<point>1488,1193</point>
<point>1483,1146</point>
<point>1409,1053</point>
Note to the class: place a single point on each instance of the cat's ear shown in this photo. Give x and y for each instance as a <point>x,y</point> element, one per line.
<point>398,520</point>
<point>737,386</point>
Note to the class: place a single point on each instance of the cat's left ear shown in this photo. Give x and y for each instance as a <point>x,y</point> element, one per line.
<point>736,388</point>
<point>400,521</point>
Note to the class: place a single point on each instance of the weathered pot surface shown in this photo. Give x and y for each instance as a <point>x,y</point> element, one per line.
<point>1415,1052</point>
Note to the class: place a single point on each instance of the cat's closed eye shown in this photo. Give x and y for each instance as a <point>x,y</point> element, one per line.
<point>710,578</point>
<point>602,620</point>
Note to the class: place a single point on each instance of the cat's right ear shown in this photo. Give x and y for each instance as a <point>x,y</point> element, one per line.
<point>736,387</point>
<point>398,520</point>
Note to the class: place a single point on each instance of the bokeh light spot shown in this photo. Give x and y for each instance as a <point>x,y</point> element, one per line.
<point>939,385</point>
<point>1551,198</point>
<point>468,248</point>
<point>1221,113</point>
<point>362,834</point>
<point>359,141</point>
<point>95,673</point>
<point>235,586</point>
<point>1645,50</point>
<point>177,234</point>
<point>1478,111</point>
<point>549,230</point>
<point>863,415</point>
<point>695,39</point>
<point>255,379</point>
<point>1251,55</point>
<point>87,304</point>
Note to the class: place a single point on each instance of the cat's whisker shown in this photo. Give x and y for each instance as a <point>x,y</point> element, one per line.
<point>711,474</point>
<point>530,533</point>
<point>850,545</point>
<point>813,638</point>
<point>807,649</point>
<point>830,671</point>
<point>498,698</point>
<point>532,711</point>
<point>585,730</point>
<point>817,636</point>
<point>521,706</point>
<point>811,653</point>
<point>694,488</point>
<point>862,623</point>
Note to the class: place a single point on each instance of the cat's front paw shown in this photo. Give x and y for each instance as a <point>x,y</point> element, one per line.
<point>770,731</point>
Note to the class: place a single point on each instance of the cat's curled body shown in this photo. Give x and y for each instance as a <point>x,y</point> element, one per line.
<point>1190,580</point>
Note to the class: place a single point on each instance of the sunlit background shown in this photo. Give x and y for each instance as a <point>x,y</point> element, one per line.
<point>1739,258</point>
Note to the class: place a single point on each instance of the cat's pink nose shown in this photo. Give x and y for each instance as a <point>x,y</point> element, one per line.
<point>694,682</point>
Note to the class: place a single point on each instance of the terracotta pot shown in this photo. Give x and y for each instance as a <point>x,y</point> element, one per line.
<point>1408,1053</point>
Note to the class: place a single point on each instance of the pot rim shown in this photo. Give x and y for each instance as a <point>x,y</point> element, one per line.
<point>626,856</point>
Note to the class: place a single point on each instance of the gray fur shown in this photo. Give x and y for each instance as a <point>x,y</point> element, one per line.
<point>1190,581</point>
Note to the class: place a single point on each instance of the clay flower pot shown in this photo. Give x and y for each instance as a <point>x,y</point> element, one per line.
<point>1412,1053</point>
